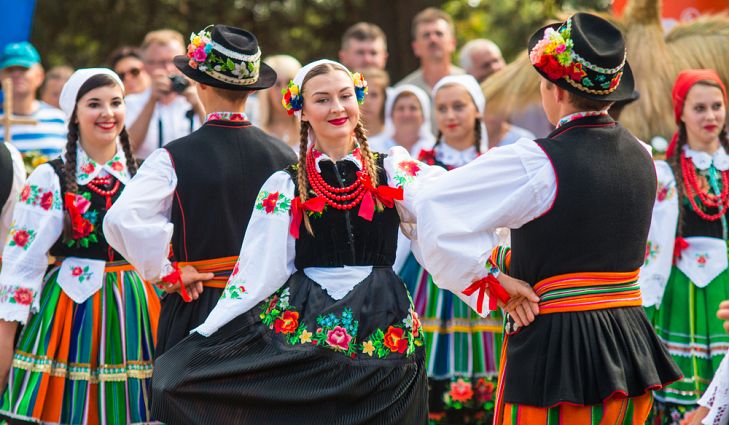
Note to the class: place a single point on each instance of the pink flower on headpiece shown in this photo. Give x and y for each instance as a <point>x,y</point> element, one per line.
<point>561,48</point>
<point>200,54</point>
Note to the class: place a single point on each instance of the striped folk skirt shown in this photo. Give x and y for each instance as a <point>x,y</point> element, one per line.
<point>462,351</point>
<point>88,363</point>
<point>686,323</point>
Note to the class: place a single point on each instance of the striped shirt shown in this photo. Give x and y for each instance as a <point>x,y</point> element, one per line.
<point>47,137</point>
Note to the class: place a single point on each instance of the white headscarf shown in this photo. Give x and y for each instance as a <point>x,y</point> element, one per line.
<point>70,90</point>
<point>304,71</point>
<point>473,88</point>
<point>392,94</point>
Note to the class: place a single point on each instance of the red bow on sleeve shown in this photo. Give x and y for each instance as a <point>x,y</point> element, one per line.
<point>491,284</point>
<point>386,194</point>
<point>298,209</point>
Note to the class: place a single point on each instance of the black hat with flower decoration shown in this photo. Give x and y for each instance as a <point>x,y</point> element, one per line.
<point>226,57</point>
<point>584,55</point>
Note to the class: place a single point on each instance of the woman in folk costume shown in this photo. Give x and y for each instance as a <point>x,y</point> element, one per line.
<point>407,109</point>
<point>314,326</point>
<point>461,347</point>
<point>85,353</point>
<point>693,197</point>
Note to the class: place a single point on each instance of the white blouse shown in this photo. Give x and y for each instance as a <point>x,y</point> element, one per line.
<point>37,224</point>
<point>6,215</point>
<point>267,255</point>
<point>716,397</point>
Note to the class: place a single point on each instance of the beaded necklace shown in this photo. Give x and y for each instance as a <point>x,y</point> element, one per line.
<point>341,198</point>
<point>94,184</point>
<point>708,199</point>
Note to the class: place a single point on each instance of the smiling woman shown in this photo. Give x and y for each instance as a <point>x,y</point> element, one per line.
<point>313,306</point>
<point>85,353</point>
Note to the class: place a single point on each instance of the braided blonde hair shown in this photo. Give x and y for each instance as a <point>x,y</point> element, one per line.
<point>370,164</point>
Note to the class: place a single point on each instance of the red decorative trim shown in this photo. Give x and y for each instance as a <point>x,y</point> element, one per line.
<point>242,124</point>
<point>182,213</point>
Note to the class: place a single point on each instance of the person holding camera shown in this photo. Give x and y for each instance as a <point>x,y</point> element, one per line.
<point>169,108</point>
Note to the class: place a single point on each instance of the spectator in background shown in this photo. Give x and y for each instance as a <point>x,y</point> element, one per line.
<point>50,90</point>
<point>501,132</point>
<point>127,62</point>
<point>434,41</point>
<point>165,111</point>
<point>373,111</point>
<point>363,46</point>
<point>21,63</point>
<point>272,117</point>
<point>481,58</point>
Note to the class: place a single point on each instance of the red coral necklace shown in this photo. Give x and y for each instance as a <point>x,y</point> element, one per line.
<point>341,198</point>
<point>104,181</point>
<point>708,199</point>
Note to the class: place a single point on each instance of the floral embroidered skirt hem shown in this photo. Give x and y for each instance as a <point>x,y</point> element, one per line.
<point>462,351</point>
<point>301,357</point>
<point>686,323</point>
<point>86,363</point>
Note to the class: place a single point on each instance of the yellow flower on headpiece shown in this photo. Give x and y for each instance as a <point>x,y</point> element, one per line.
<point>294,90</point>
<point>196,40</point>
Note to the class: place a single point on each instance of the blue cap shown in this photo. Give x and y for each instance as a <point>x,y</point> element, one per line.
<point>19,54</point>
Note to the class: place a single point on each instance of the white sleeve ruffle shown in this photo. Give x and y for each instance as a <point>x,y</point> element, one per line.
<point>37,224</point>
<point>138,224</point>
<point>716,397</point>
<point>266,258</point>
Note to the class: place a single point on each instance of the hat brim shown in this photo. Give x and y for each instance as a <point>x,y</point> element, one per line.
<point>24,63</point>
<point>623,92</point>
<point>266,76</point>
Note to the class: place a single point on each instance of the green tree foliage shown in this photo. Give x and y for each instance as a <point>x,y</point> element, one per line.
<point>82,33</point>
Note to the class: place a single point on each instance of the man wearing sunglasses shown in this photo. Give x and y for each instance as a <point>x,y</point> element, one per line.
<point>127,63</point>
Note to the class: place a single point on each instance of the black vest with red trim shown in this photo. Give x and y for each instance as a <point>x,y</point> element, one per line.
<point>220,168</point>
<point>343,238</point>
<point>599,221</point>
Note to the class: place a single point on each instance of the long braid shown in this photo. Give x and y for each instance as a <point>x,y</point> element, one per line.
<point>675,163</point>
<point>70,173</point>
<point>301,177</point>
<point>127,148</point>
<point>369,159</point>
<point>477,132</point>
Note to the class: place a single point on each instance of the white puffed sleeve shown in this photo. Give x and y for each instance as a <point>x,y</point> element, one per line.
<point>6,215</point>
<point>138,224</point>
<point>458,214</point>
<point>266,258</point>
<point>716,397</point>
<point>661,238</point>
<point>37,224</point>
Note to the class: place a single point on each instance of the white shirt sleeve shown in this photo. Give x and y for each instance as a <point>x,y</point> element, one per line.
<point>266,258</point>
<point>6,215</point>
<point>459,213</point>
<point>36,225</point>
<point>661,238</point>
<point>138,224</point>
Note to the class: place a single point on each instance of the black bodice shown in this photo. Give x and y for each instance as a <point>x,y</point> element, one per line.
<point>343,238</point>
<point>92,245</point>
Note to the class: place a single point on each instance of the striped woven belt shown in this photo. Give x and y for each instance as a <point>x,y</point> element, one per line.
<point>222,268</point>
<point>110,267</point>
<point>588,291</point>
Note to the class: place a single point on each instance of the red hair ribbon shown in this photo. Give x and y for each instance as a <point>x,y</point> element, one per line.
<point>685,80</point>
<point>491,284</point>
<point>298,208</point>
<point>386,194</point>
<point>174,277</point>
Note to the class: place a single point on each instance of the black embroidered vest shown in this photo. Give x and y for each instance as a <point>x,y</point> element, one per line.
<point>606,188</point>
<point>343,238</point>
<point>220,169</point>
<point>92,245</point>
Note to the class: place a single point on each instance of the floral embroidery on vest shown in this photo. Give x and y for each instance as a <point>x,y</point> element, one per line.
<point>84,221</point>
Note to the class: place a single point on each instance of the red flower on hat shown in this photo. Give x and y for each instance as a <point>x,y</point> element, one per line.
<point>576,73</point>
<point>550,66</point>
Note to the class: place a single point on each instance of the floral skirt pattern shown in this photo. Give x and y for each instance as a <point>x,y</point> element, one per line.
<point>86,363</point>
<point>301,357</point>
<point>462,351</point>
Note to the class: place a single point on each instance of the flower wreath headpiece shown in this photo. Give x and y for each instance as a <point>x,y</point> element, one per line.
<point>221,63</point>
<point>554,55</point>
<point>292,100</point>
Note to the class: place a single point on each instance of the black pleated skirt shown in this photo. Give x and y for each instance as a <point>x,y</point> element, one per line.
<point>586,357</point>
<point>301,357</point>
<point>177,317</point>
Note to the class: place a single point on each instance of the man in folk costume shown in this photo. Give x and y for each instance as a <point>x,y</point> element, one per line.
<point>197,193</point>
<point>579,205</point>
